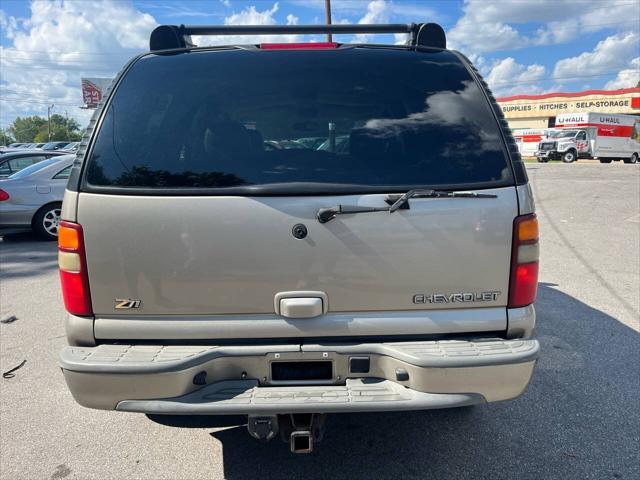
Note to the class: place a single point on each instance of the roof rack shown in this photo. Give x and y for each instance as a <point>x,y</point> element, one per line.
<point>167,37</point>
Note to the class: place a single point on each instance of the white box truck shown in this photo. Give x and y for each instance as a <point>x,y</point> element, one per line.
<point>604,136</point>
<point>528,139</point>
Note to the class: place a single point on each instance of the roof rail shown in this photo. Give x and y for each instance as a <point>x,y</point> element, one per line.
<point>166,37</point>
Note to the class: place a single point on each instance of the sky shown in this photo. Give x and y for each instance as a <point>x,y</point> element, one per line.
<point>520,46</point>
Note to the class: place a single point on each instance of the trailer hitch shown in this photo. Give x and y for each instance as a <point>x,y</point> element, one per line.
<point>300,430</point>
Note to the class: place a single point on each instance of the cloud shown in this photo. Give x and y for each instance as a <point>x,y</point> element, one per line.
<point>8,25</point>
<point>626,78</point>
<point>251,16</point>
<point>488,26</point>
<point>612,53</point>
<point>378,11</point>
<point>467,36</point>
<point>373,11</point>
<point>65,40</point>
<point>449,108</point>
<point>507,76</point>
<point>59,43</point>
<point>416,11</point>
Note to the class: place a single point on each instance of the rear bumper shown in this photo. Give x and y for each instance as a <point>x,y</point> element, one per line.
<point>160,379</point>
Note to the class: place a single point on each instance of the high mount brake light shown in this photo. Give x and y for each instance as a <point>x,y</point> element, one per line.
<point>73,269</point>
<point>523,285</point>
<point>299,46</point>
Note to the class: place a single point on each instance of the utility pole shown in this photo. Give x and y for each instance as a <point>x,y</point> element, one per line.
<point>327,11</point>
<point>49,121</point>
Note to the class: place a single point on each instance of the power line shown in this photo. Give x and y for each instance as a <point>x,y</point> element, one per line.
<point>77,52</point>
<point>555,78</point>
<point>70,67</point>
<point>17,100</point>
<point>29,95</point>
<point>16,91</point>
<point>18,62</point>
<point>609,6</point>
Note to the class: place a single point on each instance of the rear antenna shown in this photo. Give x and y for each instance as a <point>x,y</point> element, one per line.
<point>327,12</point>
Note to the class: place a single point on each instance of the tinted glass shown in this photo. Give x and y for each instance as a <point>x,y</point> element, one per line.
<point>64,173</point>
<point>5,169</point>
<point>380,118</point>
<point>563,134</point>
<point>54,145</point>
<point>35,167</point>
<point>18,164</point>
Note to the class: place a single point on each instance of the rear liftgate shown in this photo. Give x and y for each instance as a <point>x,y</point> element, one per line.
<point>301,430</point>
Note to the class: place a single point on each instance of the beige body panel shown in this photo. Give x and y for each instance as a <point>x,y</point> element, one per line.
<point>232,255</point>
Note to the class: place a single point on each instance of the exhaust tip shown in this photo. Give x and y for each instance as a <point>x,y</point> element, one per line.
<point>301,442</point>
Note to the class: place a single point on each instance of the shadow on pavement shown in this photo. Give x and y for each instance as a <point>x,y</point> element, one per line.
<point>25,255</point>
<point>578,419</point>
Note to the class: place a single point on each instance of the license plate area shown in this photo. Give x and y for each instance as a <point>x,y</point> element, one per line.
<point>319,370</point>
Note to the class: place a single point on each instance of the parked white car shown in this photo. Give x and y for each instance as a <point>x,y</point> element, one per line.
<point>32,197</point>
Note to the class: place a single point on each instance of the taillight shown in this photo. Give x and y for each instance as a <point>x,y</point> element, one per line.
<point>298,46</point>
<point>3,195</point>
<point>73,269</point>
<point>523,286</point>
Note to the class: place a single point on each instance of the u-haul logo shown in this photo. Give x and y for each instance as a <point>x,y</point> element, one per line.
<point>609,120</point>
<point>572,118</point>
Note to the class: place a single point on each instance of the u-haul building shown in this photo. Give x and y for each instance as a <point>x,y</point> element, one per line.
<point>541,111</point>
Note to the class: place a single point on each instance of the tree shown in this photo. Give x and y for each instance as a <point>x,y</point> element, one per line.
<point>25,129</point>
<point>36,129</point>
<point>5,138</point>
<point>62,128</point>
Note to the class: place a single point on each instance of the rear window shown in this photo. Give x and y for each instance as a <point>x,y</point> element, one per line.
<point>352,119</point>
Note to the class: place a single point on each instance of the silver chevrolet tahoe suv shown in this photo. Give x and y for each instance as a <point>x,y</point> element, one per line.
<point>211,264</point>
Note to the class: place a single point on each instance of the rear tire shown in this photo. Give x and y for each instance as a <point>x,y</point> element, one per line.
<point>605,160</point>
<point>570,156</point>
<point>543,160</point>
<point>45,221</point>
<point>632,159</point>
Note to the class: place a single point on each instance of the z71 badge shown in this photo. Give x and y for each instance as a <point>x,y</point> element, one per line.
<point>455,297</point>
<point>127,303</point>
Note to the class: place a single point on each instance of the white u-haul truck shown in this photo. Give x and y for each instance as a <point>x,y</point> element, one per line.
<point>528,139</point>
<point>604,136</point>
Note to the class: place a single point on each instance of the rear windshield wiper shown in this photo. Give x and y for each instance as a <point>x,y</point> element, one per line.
<point>326,214</point>
<point>404,199</point>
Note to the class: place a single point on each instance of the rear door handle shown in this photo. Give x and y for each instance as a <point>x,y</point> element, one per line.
<point>301,304</point>
<point>301,307</point>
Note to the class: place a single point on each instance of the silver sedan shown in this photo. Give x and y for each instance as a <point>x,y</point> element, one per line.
<point>32,198</point>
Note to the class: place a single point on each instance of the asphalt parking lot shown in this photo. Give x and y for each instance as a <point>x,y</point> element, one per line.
<point>580,417</point>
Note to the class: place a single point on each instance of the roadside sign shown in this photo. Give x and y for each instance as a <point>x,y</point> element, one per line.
<point>92,90</point>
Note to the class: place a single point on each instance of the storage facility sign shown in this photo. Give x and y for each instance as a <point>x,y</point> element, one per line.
<point>553,104</point>
<point>92,90</point>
